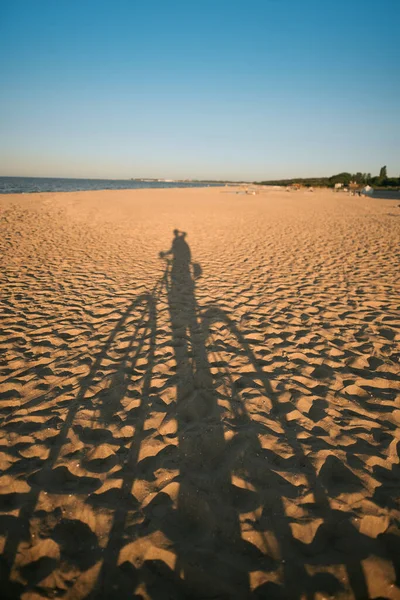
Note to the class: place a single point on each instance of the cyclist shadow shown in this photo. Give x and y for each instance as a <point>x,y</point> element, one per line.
<point>228,518</point>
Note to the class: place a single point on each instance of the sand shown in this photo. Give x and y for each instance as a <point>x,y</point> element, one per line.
<point>221,421</point>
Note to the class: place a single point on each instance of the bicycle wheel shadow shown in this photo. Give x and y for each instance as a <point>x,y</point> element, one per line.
<point>94,442</point>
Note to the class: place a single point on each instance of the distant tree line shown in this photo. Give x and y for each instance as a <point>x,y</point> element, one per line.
<point>361,179</point>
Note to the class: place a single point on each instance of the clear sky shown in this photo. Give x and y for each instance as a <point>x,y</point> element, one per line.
<point>249,89</point>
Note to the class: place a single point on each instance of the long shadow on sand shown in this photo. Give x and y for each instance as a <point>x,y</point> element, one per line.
<point>229,519</point>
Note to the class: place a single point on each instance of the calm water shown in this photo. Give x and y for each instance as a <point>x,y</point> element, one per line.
<point>27,185</point>
<point>387,194</point>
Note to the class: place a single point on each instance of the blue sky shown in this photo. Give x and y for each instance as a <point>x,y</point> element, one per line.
<point>204,89</point>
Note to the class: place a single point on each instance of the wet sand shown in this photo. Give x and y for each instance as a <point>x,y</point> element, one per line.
<point>221,420</point>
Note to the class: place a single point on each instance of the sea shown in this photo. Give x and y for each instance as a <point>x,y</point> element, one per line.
<point>386,194</point>
<point>29,185</point>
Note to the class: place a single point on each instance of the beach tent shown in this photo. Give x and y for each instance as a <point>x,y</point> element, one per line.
<point>367,190</point>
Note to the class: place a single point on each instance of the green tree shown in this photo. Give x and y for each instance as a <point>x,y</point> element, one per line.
<point>344,178</point>
<point>358,177</point>
<point>383,173</point>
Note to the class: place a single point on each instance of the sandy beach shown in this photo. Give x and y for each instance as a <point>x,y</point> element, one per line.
<point>212,413</point>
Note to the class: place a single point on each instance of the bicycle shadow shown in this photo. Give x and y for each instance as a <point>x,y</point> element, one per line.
<point>224,514</point>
